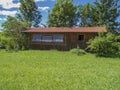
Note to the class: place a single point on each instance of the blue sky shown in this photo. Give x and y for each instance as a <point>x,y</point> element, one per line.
<point>10,7</point>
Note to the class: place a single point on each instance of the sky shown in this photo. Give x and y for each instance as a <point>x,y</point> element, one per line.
<point>10,7</point>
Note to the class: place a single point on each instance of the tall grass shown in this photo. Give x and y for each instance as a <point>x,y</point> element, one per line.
<point>53,70</point>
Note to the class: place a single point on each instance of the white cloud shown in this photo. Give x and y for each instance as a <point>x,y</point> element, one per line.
<point>44,8</point>
<point>7,4</point>
<point>6,13</point>
<point>2,19</point>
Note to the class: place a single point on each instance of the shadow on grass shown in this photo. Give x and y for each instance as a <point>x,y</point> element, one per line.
<point>108,56</point>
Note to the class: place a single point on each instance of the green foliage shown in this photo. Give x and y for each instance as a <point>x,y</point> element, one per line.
<point>7,42</point>
<point>63,14</point>
<point>86,14</point>
<point>106,13</point>
<point>29,12</point>
<point>54,70</point>
<point>107,45</point>
<point>13,29</point>
<point>101,13</point>
<point>78,51</point>
<point>13,24</point>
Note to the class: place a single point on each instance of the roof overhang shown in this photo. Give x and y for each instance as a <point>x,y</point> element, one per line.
<point>66,30</point>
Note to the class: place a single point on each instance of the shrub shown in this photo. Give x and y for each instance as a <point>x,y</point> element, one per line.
<point>77,51</point>
<point>107,45</point>
<point>15,44</point>
<point>7,42</point>
<point>22,42</point>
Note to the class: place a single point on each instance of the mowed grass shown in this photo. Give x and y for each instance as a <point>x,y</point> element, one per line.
<point>54,70</point>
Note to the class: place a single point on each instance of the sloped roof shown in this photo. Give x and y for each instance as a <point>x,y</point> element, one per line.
<point>65,29</point>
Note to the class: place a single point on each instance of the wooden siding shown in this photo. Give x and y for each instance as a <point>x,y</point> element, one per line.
<point>70,41</point>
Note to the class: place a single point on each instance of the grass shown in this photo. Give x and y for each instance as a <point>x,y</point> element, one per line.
<point>53,70</point>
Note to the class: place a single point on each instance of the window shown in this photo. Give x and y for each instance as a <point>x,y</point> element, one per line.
<point>36,37</point>
<point>81,37</point>
<point>47,38</point>
<point>58,38</point>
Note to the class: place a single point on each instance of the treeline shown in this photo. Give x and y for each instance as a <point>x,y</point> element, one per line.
<point>65,14</point>
<point>101,13</point>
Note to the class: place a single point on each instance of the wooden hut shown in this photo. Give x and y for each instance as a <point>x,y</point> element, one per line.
<point>61,38</point>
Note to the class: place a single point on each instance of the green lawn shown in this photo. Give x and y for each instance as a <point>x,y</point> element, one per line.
<point>53,70</point>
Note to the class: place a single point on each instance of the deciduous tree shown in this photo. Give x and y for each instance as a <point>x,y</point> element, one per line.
<point>63,14</point>
<point>29,12</point>
<point>13,28</point>
<point>102,13</point>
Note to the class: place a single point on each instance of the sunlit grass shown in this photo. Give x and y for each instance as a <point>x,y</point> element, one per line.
<point>54,70</point>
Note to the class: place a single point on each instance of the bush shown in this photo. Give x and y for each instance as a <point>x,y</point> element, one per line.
<point>77,51</point>
<point>7,42</point>
<point>15,44</point>
<point>105,45</point>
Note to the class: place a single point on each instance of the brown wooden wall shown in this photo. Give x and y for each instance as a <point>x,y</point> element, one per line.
<point>70,41</point>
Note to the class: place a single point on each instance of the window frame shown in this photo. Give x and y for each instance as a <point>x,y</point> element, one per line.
<point>43,40</point>
<point>33,36</point>
<point>55,40</point>
<point>83,37</point>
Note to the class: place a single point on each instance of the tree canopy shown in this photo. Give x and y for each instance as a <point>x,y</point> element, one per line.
<point>29,12</point>
<point>13,29</point>
<point>101,13</point>
<point>63,14</point>
<point>85,14</point>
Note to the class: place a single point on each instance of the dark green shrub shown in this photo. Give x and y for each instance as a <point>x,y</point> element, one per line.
<point>107,45</point>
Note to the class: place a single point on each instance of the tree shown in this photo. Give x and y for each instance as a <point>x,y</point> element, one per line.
<point>29,12</point>
<point>63,14</point>
<point>102,13</point>
<point>12,28</point>
<point>107,13</point>
<point>85,14</point>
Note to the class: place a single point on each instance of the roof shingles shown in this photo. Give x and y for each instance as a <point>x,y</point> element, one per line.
<point>65,29</point>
